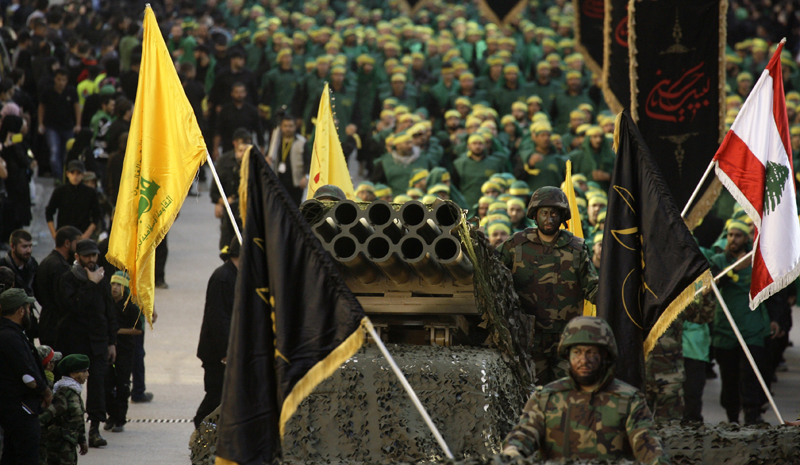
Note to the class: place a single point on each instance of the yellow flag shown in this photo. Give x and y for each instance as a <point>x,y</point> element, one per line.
<point>328,165</point>
<point>574,225</point>
<point>165,149</point>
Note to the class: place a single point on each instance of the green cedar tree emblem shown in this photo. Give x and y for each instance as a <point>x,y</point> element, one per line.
<point>777,175</point>
<point>147,191</point>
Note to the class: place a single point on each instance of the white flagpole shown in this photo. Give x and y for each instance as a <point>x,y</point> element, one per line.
<point>409,389</point>
<point>746,351</point>
<point>697,189</point>
<point>224,196</point>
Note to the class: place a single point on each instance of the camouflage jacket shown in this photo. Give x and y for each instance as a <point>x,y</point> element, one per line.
<point>610,423</point>
<point>64,417</point>
<point>552,281</point>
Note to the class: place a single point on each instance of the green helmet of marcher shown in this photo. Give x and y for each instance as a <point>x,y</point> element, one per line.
<point>329,192</point>
<point>587,330</point>
<point>548,197</point>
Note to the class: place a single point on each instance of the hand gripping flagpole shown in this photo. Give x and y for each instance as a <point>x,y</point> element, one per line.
<point>224,196</point>
<point>409,389</point>
<point>746,350</point>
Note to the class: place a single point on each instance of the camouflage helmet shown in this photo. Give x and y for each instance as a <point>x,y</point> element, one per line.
<point>589,330</point>
<point>548,197</point>
<point>329,192</point>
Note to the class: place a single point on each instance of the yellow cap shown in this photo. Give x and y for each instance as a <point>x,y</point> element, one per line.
<point>475,138</point>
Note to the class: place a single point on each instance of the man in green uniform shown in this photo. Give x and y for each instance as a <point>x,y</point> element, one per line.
<point>569,100</point>
<point>587,415</point>
<point>552,274</point>
<point>596,158</point>
<point>395,168</point>
<point>541,167</point>
<point>63,419</point>
<point>474,168</point>
<point>280,85</point>
<point>510,91</point>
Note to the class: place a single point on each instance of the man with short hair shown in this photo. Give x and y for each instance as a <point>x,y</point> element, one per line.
<point>88,325</point>
<point>587,414</point>
<point>47,279</point>
<point>238,113</point>
<point>23,385</point>
<point>59,119</point>
<point>228,168</point>
<point>474,168</point>
<point>20,260</point>
<point>76,204</point>
<point>289,157</point>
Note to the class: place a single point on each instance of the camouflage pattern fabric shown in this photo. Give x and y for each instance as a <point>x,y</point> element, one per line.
<point>548,197</point>
<point>65,427</point>
<point>665,375</point>
<point>552,282</point>
<point>549,366</point>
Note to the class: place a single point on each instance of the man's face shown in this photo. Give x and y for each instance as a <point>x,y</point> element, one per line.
<point>494,193</point>
<point>237,63</point>
<point>597,251</point>
<point>467,83</point>
<point>238,94</point>
<point>497,237</point>
<point>338,78</point>
<point>80,376</point>
<point>110,106</point>
<point>323,67</point>
<point>596,141</point>
<point>22,250</point>
<point>574,84</point>
<point>239,147</point>
<point>592,212</point>
<point>796,142</point>
<point>516,213</point>
<point>398,86</point>
<point>176,32</point>
<point>518,114</point>
<point>542,140</point>
<point>26,316</point>
<point>737,241</point>
<point>544,73</point>
<point>476,147</point>
<point>549,220</point>
<point>585,364</point>
<point>404,148</point>
<point>87,261</point>
<point>60,82</point>
<point>286,61</point>
<point>117,290</point>
<point>511,77</point>
<point>288,129</point>
<point>75,177</point>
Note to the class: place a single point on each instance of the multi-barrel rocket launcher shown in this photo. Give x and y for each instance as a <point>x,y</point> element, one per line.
<point>405,263</point>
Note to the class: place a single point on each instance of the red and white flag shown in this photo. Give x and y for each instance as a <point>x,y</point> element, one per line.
<point>754,163</point>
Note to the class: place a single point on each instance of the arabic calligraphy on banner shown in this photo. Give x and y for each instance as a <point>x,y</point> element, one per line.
<point>593,8</point>
<point>621,32</point>
<point>675,100</point>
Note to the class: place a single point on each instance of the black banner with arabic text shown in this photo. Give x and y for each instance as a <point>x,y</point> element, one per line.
<point>589,16</point>
<point>677,52</point>
<point>616,62</point>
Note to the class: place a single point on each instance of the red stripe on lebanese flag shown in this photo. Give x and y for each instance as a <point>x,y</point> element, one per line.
<point>744,170</point>
<point>761,278</point>
<point>779,104</point>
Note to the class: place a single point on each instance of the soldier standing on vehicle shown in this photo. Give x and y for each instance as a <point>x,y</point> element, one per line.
<point>588,414</point>
<point>552,274</point>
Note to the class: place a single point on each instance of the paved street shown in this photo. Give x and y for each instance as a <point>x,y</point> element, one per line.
<point>159,431</point>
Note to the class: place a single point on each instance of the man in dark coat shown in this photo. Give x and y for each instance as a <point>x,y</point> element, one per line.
<point>47,280</point>
<point>213,346</point>
<point>88,325</point>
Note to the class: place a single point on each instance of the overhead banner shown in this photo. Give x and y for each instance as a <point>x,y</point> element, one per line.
<point>677,66</point>
<point>589,23</point>
<point>615,79</point>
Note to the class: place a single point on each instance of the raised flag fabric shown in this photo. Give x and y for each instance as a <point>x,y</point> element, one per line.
<point>615,79</point>
<point>574,225</point>
<point>589,19</point>
<point>651,263</point>
<point>754,163</point>
<point>294,322</point>
<point>165,149</point>
<point>328,165</point>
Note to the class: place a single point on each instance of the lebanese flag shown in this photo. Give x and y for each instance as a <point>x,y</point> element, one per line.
<point>754,163</point>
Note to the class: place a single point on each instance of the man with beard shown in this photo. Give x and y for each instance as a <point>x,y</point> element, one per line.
<point>47,280</point>
<point>20,261</point>
<point>552,274</point>
<point>289,157</point>
<point>595,158</point>
<point>474,168</point>
<point>88,325</point>
<point>587,415</point>
<point>23,385</point>
<point>238,113</point>
<point>740,387</point>
<point>396,167</point>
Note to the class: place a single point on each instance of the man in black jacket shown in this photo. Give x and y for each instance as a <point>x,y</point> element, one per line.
<point>213,346</point>
<point>88,325</point>
<point>75,202</point>
<point>23,386</point>
<point>20,260</point>
<point>47,280</point>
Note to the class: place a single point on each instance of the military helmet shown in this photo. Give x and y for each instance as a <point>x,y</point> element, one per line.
<point>329,192</point>
<point>548,197</point>
<point>589,330</point>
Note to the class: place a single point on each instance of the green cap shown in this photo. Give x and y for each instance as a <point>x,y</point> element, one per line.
<point>14,298</point>
<point>73,364</point>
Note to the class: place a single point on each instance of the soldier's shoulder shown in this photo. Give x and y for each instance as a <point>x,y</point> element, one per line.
<point>622,388</point>
<point>522,236</point>
<point>567,239</point>
<point>559,385</point>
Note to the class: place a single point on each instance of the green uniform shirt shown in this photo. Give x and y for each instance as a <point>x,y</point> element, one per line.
<point>473,173</point>
<point>754,325</point>
<point>563,104</point>
<point>397,174</point>
<point>586,160</point>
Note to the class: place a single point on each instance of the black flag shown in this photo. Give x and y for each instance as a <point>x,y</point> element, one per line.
<point>294,322</point>
<point>615,79</point>
<point>589,23</point>
<point>650,261</point>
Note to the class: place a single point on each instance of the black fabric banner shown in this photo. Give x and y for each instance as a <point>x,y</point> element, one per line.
<point>616,80</point>
<point>677,50</point>
<point>294,322</point>
<point>589,23</point>
<point>650,263</point>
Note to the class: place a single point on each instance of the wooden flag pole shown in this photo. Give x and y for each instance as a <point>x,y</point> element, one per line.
<point>746,351</point>
<point>697,189</point>
<point>409,389</point>
<point>224,197</point>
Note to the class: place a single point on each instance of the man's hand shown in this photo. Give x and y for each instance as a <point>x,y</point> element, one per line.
<point>155,316</point>
<point>84,448</point>
<point>112,354</point>
<point>97,275</point>
<point>218,210</point>
<point>47,397</point>
<point>76,129</point>
<point>534,159</point>
<point>511,451</point>
<point>775,330</point>
<point>303,183</point>
<point>599,175</point>
<point>41,129</point>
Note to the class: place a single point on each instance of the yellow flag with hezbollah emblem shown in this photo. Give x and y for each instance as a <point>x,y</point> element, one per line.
<point>165,149</point>
<point>574,226</point>
<point>328,165</point>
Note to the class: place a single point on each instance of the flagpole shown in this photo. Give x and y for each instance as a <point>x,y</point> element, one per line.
<point>726,270</point>
<point>746,350</point>
<point>224,197</point>
<point>409,389</point>
<point>697,189</point>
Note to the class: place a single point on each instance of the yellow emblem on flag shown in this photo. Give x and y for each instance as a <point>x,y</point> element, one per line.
<point>574,226</point>
<point>165,149</point>
<point>328,165</point>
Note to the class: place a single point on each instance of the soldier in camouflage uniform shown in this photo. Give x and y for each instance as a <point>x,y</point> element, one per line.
<point>64,418</point>
<point>553,274</point>
<point>664,374</point>
<point>588,414</point>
